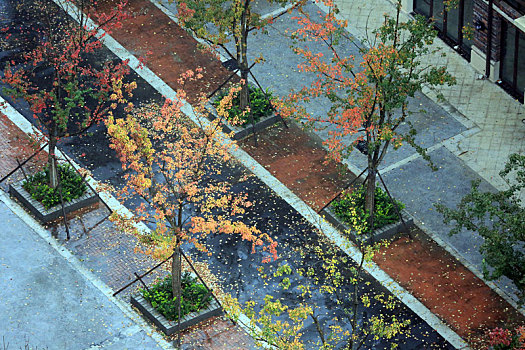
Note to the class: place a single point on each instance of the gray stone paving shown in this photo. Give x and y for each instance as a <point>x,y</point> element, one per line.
<point>47,303</point>
<point>421,188</point>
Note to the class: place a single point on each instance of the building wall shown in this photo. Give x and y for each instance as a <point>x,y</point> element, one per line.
<point>481,36</point>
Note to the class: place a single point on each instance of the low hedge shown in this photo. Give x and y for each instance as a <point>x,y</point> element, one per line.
<point>194,297</point>
<point>385,213</point>
<point>71,182</point>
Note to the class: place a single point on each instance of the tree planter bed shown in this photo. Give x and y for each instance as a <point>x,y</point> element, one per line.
<point>46,215</point>
<point>388,232</point>
<point>170,327</point>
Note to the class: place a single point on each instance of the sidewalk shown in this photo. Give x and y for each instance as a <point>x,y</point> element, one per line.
<point>495,112</point>
<point>47,303</point>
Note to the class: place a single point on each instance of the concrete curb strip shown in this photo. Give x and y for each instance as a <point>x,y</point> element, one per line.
<point>47,215</point>
<point>170,327</point>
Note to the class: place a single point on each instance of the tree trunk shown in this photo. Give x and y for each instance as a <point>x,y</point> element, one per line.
<point>243,57</point>
<point>176,266</point>
<point>51,159</point>
<point>176,273</point>
<point>370,194</point>
<point>245,91</point>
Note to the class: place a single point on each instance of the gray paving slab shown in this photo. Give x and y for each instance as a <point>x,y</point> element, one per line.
<point>46,302</point>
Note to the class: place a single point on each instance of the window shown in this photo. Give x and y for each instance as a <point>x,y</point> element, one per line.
<point>512,73</point>
<point>452,23</point>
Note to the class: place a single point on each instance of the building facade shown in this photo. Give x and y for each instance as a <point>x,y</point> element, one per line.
<point>490,34</point>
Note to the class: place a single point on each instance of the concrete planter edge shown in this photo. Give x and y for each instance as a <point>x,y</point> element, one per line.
<point>46,215</point>
<point>170,327</point>
<point>388,232</point>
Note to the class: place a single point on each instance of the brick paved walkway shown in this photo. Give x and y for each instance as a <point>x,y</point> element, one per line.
<point>16,145</point>
<point>298,159</point>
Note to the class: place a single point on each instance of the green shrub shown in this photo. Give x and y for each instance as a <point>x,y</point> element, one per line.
<point>260,107</point>
<point>194,297</point>
<point>385,212</point>
<point>38,186</point>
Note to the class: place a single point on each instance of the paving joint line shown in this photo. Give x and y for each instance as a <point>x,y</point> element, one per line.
<point>404,296</point>
<point>447,143</point>
<point>278,12</point>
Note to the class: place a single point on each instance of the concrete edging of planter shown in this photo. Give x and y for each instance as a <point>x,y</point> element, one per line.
<point>241,132</point>
<point>46,215</point>
<point>389,232</point>
<point>170,327</point>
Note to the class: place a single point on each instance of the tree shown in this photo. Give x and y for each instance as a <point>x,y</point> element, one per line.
<point>174,165</point>
<point>66,92</point>
<point>369,100</point>
<point>220,21</point>
<point>498,218</point>
<point>324,268</point>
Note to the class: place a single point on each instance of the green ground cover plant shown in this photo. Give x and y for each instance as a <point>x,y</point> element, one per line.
<point>260,106</point>
<point>38,187</point>
<point>385,212</point>
<point>194,297</point>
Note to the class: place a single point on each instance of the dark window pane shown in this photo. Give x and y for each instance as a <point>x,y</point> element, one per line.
<point>438,11</point>
<point>468,26</point>
<point>507,61</point>
<point>452,23</point>
<point>422,7</point>
<point>521,64</point>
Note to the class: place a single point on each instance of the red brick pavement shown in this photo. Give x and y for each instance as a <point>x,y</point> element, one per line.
<point>298,160</point>
<point>168,49</point>
<point>15,144</point>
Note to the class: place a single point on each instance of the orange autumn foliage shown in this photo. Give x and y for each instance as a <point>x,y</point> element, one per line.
<point>175,166</point>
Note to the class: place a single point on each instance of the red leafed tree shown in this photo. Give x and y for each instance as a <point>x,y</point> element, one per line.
<point>58,76</point>
<point>369,98</point>
<point>172,164</point>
